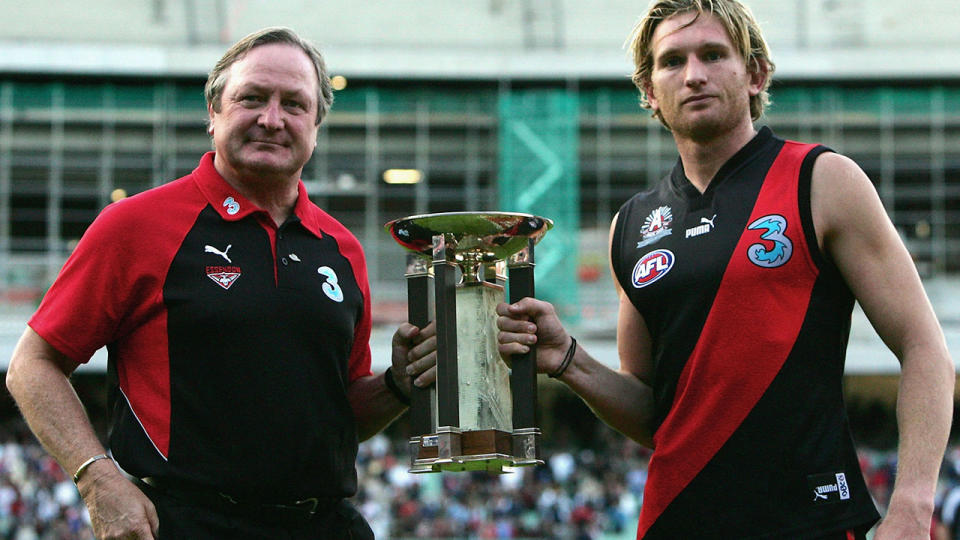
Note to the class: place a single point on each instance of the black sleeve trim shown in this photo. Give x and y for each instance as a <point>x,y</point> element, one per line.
<point>806,211</point>
<point>616,243</point>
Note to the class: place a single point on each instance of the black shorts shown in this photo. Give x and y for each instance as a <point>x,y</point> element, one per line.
<point>183,518</point>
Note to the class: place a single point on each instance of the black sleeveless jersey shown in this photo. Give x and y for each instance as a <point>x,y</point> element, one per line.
<point>749,325</point>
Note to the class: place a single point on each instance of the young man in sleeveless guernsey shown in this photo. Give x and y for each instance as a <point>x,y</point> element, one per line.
<point>737,275</point>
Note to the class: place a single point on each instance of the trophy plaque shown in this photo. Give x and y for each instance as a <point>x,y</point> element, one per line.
<point>480,414</point>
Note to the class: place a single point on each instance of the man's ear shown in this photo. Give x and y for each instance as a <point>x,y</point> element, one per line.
<point>651,97</point>
<point>759,72</point>
<point>210,113</point>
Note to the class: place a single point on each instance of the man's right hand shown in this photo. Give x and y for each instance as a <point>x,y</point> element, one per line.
<point>528,322</point>
<point>118,509</point>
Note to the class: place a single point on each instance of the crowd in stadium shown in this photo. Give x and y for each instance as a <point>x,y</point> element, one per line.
<point>582,492</point>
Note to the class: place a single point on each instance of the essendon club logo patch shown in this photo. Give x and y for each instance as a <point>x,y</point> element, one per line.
<point>223,276</point>
<point>651,267</point>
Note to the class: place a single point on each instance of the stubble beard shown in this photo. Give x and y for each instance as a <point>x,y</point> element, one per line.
<point>705,128</point>
<point>704,131</point>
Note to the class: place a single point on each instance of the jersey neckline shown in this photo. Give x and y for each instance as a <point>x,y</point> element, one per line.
<point>685,189</point>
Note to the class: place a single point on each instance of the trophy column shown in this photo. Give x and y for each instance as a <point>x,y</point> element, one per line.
<point>419,313</point>
<point>448,439</point>
<point>523,374</point>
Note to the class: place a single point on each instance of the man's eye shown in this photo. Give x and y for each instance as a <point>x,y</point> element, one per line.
<point>672,61</point>
<point>713,56</point>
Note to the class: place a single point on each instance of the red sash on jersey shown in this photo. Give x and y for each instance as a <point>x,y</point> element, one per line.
<point>749,332</point>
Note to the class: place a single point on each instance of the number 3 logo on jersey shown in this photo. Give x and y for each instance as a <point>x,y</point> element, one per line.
<point>778,255</point>
<point>330,286</point>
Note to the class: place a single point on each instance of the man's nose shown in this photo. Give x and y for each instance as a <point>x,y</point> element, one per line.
<point>695,73</point>
<point>271,116</point>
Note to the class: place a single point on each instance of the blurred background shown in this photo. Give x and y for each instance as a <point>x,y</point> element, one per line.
<point>514,105</point>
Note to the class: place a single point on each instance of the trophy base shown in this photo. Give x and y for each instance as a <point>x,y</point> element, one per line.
<point>482,450</point>
<point>479,442</point>
<point>488,462</point>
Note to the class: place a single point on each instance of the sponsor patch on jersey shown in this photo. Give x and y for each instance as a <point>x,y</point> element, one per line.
<point>651,267</point>
<point>776,248</point>
<point>705,226</point>
<point>223,276</point>
<point>828,488</point>
<point>231,205</point>
<point>656,226</point>
<point>331,284</point>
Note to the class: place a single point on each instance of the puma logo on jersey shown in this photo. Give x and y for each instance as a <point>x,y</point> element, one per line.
<point>706,225</point>
<point>215,251</point>
<point>829,487</point>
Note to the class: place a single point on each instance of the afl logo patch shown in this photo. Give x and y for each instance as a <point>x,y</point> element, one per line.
<point>651,267</point>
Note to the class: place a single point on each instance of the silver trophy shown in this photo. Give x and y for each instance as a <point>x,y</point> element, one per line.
<point>481,414</point>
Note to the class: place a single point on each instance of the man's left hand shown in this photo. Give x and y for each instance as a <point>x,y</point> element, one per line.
<point>414,356</point>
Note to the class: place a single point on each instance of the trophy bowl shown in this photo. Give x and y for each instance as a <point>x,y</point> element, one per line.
<point>487,236</point>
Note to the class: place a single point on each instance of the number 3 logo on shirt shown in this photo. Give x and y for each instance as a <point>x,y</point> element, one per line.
<point>777,255</point>
<point>330,286</point>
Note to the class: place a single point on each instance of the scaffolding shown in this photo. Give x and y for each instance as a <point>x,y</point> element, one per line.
<point>67,144</point>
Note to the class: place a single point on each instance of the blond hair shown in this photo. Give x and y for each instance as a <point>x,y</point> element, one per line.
<point>740,25</point>
<point>217,80</point>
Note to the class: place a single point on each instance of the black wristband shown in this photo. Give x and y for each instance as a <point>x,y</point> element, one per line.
<point>566,360</point>
<point>394,389</point>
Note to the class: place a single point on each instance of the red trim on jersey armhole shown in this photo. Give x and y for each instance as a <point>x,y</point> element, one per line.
<point>360,358</point>
<point>146,384</point>
<point>715,392</point>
